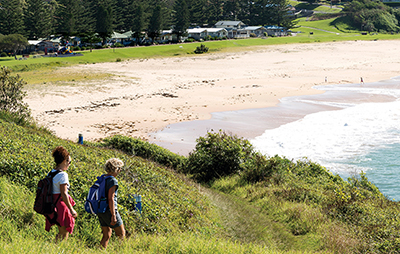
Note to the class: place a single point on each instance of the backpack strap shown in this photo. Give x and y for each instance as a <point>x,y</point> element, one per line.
<point>54,219</point>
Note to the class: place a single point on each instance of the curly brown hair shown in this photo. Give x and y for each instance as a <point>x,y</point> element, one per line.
<point>113,165</point>
<point>60,154</point>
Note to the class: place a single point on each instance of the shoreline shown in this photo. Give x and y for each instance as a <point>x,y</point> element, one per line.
<point>145,96</point>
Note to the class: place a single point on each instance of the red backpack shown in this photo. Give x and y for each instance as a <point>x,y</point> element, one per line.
<point>44,197</point>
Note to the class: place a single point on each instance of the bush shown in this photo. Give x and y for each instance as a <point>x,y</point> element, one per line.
<point>40,52</point>
<point>217,155</point>
<point>190,40</point>
<point>12,95</point>
<point>201,49</point>
<point>146,150</point>
<point>3,54</point>
<point>118,45</point>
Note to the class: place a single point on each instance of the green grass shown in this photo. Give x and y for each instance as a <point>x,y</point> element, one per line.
<point>321,7</point>
<point>44,64</point>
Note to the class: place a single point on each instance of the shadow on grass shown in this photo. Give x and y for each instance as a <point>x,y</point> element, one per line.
<point>6,59</point>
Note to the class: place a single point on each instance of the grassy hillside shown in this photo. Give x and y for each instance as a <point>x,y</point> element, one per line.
<point>271,205</point>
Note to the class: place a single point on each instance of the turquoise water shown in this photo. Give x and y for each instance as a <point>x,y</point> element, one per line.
<point>351,128</point>
<point>383,169</point>
<point>361,134</point>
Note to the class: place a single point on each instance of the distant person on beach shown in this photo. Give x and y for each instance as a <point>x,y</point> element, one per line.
<point>111,219</point>
<point>64,203</point>
<point>361,80</point>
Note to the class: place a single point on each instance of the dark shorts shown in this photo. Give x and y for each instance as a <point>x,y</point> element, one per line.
<point>105,219</point>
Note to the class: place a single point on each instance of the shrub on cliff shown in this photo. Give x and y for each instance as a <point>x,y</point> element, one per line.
<point>138,147</point>
<point>12,95</point>
<point>217,155</point>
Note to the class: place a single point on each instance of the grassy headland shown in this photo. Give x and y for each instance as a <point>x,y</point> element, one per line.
<point>270,206</point>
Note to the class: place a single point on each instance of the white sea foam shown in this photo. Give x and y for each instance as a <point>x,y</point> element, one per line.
<point>332,138</point>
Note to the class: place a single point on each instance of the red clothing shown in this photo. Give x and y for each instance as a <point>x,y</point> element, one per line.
<point>64,216</point>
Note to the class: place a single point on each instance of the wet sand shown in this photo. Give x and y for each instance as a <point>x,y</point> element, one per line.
<point>146,95</point>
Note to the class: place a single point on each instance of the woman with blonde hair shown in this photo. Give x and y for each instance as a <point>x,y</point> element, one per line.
<point>111,219</point>
<point>66,214</point>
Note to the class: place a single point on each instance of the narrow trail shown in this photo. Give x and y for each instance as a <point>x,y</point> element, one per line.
<point>246,223</point>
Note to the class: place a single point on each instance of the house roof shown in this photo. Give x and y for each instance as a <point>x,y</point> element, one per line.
<point>252,28</point>
<point>214,30</point>
<point>165,32</point>
<point>196,30</point>
<point>274,27</point>
<point>34,42</point>
<point>129,33</point>
<point>116,35</point>
<point>229,23</point>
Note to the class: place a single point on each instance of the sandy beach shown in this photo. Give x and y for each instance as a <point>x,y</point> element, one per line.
<point>143,96</point>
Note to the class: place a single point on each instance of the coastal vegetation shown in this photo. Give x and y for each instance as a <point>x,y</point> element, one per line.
<point>253,203</point>
<point>223,198</point>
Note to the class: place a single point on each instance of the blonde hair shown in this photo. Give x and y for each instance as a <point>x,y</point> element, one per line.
<point>113,165</point>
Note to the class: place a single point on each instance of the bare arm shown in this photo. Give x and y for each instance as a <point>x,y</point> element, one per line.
<point>111,204</point>
<point>64,196</point>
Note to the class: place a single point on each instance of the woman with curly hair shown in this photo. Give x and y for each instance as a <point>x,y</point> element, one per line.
<point>111,219</point>
<point>66,214</point>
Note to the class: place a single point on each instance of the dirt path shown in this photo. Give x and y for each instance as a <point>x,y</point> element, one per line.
<point>246,223</point>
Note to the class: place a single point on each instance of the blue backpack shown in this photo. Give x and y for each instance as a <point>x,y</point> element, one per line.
<point>96,201</point>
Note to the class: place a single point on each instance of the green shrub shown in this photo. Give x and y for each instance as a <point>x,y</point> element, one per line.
<point>146,150</point>
<point>3,54</point>
<point>201,49</point>
<point>118,45</point>
<point>12,94</point>
<point>217,155</point>
<point>118,60</point>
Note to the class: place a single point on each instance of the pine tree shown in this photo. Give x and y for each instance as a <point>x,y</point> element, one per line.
<point>12,17</point>
<point>181,18</point>
<point>139,22</point>
<point>125,15</point>
<point>104,19</point>
<point>155,24</point>
<point>67,17</point>
<point>39,18</point>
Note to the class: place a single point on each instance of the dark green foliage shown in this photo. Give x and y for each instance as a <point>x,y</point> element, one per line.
<point>13,42</point>
<point>182,18</point>
<point>146,150</point>
<point>39,18</point>
<point>11,17</point>
<point>217,155</point>
<point>371,16</point>
<point>156,23</point>
<point>138,22</point>
<point>201,49</point>
<point>12,95</point>
<point>104,19</point>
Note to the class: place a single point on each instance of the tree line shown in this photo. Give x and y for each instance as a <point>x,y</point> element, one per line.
<point>368,15</point>
<point>41,18</point>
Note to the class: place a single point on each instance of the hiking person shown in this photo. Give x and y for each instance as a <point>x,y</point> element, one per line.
<point>111,219</point>
<point>64,203</point>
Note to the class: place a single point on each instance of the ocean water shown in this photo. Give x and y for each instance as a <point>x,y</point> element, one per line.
<point>357,129</point>
<point>348,129</point>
